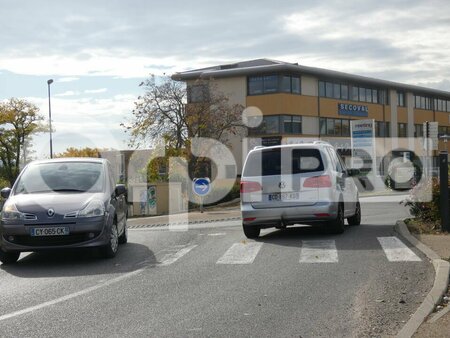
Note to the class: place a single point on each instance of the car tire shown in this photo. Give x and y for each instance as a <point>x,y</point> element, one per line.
<point>9,257</point>
<point>338,224</point>
<point>124,237</point>
<point>251,231</point>
<point>356,218</point>
<point>110,249</point>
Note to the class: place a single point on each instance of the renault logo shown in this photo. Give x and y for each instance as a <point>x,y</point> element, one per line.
<point>50,212</point>
<point>282,185</point>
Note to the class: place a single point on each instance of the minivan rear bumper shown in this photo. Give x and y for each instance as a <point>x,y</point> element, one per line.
<point>273,217</point>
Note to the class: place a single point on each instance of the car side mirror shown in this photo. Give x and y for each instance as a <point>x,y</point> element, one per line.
<point>353,172</point>
<point>120,189</point>
<point>5,192</point>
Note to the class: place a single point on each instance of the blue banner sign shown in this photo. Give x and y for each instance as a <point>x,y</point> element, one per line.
<point>353,110</point>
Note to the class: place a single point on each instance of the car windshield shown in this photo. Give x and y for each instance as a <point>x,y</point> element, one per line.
<point>61,177</point>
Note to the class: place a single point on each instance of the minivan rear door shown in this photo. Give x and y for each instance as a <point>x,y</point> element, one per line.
<point>287,176</point>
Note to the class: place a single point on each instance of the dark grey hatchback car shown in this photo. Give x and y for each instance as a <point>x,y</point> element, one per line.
<point>63,203</point>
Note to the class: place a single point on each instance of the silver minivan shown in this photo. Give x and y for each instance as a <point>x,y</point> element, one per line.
<point>297,184</point>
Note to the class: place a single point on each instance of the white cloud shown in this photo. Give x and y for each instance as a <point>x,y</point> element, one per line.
<point>85,122</point>
<point>99,64</point>
<point>68,93</point>
<point>67,79</point>
<point>96,91</point>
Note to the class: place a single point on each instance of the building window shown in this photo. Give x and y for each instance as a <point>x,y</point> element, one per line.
<point>382,129</point>
<point>402,130</point>
<point>355,96</point>
<point>422,102</point>
<point>270,84</point>
<point>442,130</point>
<point>441,105</point>
<point>401,99</point>
<point>336,90</point>
<point>255,85</point>
<point>328,89</point>
<point>344,92</point>
<point>346,127</point>
<point>296,85</point>
<point>418,130</point>
<point>278,124</point>
<point>272,124</point>
<point>351,92</point>
<point>292,124</point>
<point>321,89</point>
<point>374,95</point>
<point>285,84</point>
<point>334,127</point>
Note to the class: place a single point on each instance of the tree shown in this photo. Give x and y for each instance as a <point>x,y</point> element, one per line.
<point>19,120</point>
<point>80,152</point>
<point>163,113</point>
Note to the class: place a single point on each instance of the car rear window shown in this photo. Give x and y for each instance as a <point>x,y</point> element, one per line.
<point>283,161</point>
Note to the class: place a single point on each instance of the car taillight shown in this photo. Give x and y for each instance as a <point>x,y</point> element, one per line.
<point>247,187</point>
<point>318,182</point>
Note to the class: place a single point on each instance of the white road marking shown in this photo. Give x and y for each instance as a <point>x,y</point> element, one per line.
<point>171,258</point>
<point>193,226</point>
<point>70,296</point>
<point>217,234</point>
<point>240,253</point>
<point>396,250</point>
<point>319,252</point>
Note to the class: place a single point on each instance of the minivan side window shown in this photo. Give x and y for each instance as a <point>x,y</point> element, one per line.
<point>336,164</point>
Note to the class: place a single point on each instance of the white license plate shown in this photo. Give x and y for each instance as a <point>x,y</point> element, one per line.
<point>53,231</point>
<point>285,196</point>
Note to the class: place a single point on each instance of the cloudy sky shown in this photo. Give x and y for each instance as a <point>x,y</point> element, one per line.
<point>99,51</point>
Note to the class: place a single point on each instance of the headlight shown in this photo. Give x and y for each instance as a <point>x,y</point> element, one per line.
<point>94,208</point>
<point>10,212</point>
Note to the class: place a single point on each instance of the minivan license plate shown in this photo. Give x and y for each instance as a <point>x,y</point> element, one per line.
<point>285,196</point>
<point>53,231</point>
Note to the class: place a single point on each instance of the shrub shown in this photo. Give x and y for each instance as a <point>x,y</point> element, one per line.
<point>420,204</point>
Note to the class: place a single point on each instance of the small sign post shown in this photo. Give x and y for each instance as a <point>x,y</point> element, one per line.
<point>201,187</point>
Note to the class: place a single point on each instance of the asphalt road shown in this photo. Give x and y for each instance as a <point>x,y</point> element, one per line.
<point>300,282</point>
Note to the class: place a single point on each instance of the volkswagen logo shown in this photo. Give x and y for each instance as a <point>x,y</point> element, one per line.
<point>50,212</point>
<point>282,185</point>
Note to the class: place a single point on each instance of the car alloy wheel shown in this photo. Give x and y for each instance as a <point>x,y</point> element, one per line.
<point>110,249</point>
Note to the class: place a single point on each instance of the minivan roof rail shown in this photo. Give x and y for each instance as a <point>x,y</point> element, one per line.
<point>321,142</point>
<point>258,147</point>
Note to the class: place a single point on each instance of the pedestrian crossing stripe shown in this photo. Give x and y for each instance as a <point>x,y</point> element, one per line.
<point>171,257</point>
<point>319,252</point>
<point>241,253</point>
<point>311,251</point>
<point>396,250</point>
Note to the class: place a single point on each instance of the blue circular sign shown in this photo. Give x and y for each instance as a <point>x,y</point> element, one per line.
<point>201,186</point>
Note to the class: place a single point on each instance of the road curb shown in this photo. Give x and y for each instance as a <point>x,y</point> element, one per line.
<point>442,270</point>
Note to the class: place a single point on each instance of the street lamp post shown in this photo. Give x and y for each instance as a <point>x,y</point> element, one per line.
<point>49,82</point>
